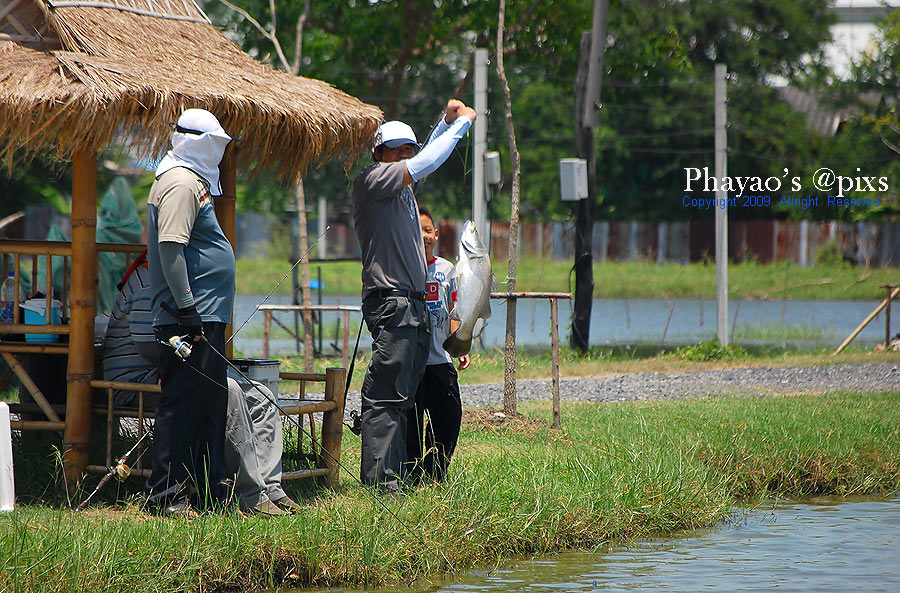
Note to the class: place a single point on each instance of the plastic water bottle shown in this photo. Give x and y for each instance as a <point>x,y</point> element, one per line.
<point>7,298</point>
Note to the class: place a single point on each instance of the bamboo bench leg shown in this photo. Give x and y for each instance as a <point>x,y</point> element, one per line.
<point>333,425</point>
<point>32,388</point>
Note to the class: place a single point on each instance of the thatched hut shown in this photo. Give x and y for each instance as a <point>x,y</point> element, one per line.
<point>77,74</point>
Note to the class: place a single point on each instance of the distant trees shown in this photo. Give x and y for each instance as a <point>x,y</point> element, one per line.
<point>408,56</point>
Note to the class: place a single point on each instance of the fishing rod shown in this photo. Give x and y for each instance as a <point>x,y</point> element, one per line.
<point>118,470</point>
<point>183,351</point>
<point>271,292</point>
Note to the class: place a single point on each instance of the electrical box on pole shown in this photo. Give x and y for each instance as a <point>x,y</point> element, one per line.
<point>573,179</point>
<point>492,174</point>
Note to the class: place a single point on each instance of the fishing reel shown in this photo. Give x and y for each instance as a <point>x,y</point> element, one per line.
<point>356,426</point>
<point>122,471</point>
<point>181,347</point>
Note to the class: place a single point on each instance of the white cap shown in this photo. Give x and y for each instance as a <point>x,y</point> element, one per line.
<point>200,121</point>
<point>395,133</point>
<point>198,144</point>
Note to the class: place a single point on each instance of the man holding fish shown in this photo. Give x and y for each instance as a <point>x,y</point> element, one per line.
<point>386,217</point>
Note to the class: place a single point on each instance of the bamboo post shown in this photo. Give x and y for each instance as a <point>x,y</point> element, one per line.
<point>225,214</point>
<point>332,424</point>
<point>77,436</point>
<point>345,350</point>
<point>866,321</point>
<point>140,429</point>
<point>554,348</point>
<point>267,328</point>
<point>109,425</point>
<point>887,314</point>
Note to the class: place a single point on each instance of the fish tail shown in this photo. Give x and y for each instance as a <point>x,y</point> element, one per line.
<point>456,347</point>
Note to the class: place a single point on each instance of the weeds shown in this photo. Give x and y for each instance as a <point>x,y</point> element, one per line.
<point>711,350</point>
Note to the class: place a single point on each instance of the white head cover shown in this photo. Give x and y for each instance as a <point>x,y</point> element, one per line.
<point>395,133</point>
<point>198,144</point>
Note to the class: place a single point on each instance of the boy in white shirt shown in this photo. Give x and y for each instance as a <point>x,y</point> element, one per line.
<point>438,392</point>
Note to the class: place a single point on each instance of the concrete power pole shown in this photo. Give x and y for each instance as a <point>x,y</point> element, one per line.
<point>721,166</point>
<point>479,201</point>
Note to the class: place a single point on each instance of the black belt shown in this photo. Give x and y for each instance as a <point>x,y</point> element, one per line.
<point>382,293</point>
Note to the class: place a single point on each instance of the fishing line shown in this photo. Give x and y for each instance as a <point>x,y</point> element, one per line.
<point>312,438</point>
<point>271,292</point>
<point>119,468</point>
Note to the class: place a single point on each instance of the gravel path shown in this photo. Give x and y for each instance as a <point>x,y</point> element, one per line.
<point>735,381</point>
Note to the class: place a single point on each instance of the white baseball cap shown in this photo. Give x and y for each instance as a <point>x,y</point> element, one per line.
<point>395,133</point>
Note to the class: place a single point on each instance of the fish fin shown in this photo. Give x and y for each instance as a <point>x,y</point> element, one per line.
<point>454,314</point>
<point>456,347</point>
<point>485,312</point>
<point>494,286</point>
<point>478,328</point>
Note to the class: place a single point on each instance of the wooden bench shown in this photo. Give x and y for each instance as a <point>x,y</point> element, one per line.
<point>326,448</point>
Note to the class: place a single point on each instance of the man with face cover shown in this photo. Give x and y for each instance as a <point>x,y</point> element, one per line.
<point>191,266</point>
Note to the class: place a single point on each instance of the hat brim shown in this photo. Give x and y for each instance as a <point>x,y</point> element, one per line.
<point>397,142</point>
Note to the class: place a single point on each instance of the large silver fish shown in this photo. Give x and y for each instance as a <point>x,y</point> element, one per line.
<point>474,281</point>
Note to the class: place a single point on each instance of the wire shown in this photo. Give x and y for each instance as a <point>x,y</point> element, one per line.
<point>639,107</point>
<point>312,439</point>
<point>648,150</point>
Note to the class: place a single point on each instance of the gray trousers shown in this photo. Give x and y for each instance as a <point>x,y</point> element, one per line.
<point>400,339</point>
<point>253,443</point>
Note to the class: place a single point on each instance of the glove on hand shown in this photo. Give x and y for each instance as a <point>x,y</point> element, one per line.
<point>190,322</point>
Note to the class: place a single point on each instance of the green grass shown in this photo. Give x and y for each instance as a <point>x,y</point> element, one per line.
<point>628,279</point>
<point>777,331</point>
<point>614,472</point>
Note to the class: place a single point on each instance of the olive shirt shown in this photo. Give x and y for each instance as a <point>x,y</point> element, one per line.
<point>388,229</point>
<point>180,210</point>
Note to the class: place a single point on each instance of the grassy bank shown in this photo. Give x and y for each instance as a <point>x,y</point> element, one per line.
<point>614,472</point>
<point>630,279</point>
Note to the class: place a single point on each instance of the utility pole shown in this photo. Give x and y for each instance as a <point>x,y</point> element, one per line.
<point>479,201</point>
<point>587,96</point>
<point>721,166</point>
<point>323,226</point>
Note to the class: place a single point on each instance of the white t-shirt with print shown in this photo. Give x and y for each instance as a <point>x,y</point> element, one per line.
<point>440,297</point>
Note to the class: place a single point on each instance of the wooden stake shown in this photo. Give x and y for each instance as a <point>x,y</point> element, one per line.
<point>865,322</point>
<point>554,349</point>
<point>332,424</point>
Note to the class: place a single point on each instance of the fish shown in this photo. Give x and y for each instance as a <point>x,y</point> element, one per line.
<point>474,282</point>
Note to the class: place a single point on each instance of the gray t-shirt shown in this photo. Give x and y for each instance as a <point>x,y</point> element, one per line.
<point>386,216</point>
<point>180,210</point>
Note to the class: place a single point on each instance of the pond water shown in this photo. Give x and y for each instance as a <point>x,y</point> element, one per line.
<point>796,324</point>
<point>817,546</point>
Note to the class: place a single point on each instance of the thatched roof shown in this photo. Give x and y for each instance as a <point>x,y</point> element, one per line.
<point>74,74</point>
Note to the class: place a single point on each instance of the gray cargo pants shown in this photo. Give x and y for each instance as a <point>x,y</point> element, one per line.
<point>400,338</point>
<point>253,443</point>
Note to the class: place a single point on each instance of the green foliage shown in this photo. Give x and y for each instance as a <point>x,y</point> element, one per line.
<point>42,180</point>
<point>711,350</point>
<point>830,254</point>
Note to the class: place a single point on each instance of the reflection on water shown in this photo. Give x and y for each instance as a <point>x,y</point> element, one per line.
<point>818,546</point>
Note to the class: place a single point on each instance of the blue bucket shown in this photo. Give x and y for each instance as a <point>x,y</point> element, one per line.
<point>36,314</point>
